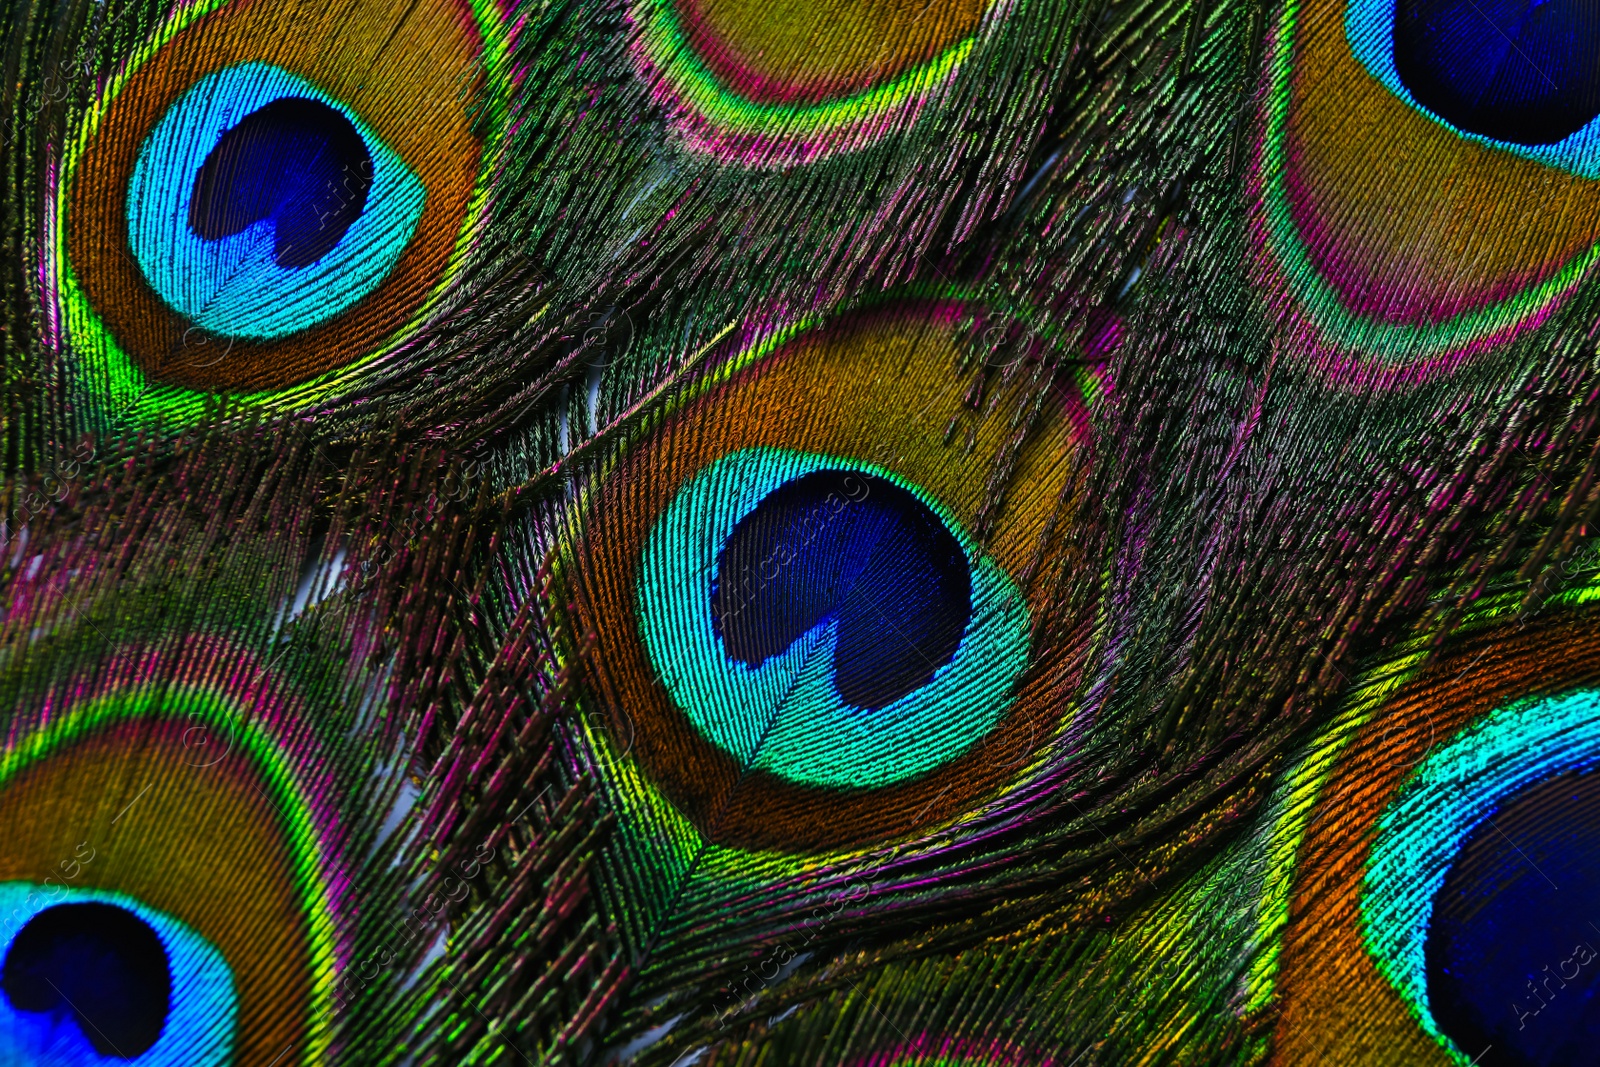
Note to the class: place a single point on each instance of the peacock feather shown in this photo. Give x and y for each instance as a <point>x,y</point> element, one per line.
<point>862,534</point>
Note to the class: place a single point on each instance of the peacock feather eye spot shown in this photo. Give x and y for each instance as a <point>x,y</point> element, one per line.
<point>821,621</point>
<point>1510,956</point>
<point>857,551</point>
<point>247,213</point>
<point>1522,71</point>
<point>754,85</point>
<point>98,963</point>
<point>1390,115</point>
<point>813,55</point>
<point>1467,925</point>
<point>260,207</point>
<point>296,162</point>
<point>93,976</point>
<point>821,631</point>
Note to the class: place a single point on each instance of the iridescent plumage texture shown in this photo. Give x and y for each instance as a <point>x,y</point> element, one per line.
<point>975,532</point>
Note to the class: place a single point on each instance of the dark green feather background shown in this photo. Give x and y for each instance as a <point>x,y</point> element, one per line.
<point>1244,405</point>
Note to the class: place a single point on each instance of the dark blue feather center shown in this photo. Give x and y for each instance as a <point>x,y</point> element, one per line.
<point>297,162</point>
<point>99,964</point>
<point>856,550</point>
<point>1513,944</point>
<point>1523,71</point>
